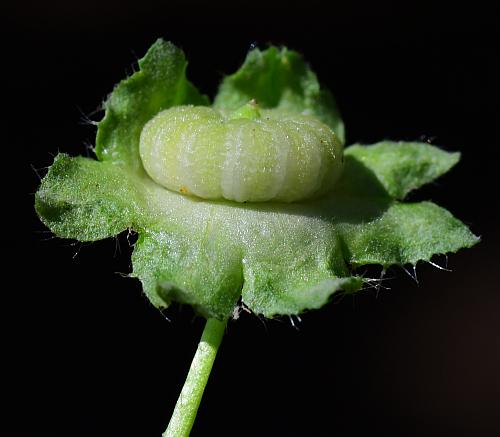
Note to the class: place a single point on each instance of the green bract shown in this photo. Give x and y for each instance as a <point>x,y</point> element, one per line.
<point>278,258</point>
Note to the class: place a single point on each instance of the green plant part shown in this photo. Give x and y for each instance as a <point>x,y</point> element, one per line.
<point>251,201</point>
<point>250,155</point>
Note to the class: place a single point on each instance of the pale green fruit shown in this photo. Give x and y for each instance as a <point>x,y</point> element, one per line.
<point>249,155</point>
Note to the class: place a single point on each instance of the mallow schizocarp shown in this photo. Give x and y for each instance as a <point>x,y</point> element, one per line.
<point>247,155</point>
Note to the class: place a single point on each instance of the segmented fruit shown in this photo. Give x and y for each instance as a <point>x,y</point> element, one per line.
<point>250,155</point>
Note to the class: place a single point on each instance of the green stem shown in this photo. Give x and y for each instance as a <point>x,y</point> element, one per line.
<point>189,400</point>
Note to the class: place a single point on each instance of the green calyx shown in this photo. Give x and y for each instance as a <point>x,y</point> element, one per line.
<point>275,256</point>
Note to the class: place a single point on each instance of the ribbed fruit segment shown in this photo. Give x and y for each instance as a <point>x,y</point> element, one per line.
<point>273,157</point>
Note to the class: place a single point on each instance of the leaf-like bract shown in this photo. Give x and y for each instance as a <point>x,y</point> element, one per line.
<point>280,78</point>
<point>159,84</point>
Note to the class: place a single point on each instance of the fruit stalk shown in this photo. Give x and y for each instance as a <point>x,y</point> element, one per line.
<point>184,414</point>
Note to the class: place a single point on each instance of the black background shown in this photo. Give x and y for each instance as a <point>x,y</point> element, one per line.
<point>84,353</point>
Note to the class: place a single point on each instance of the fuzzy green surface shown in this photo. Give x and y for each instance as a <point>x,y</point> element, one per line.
<point>278,258</point>
<point>417,165</point>
<point>159,84</point>
<point>280,78</point>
